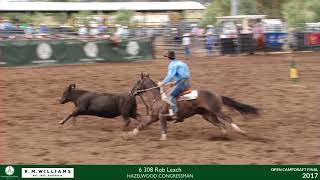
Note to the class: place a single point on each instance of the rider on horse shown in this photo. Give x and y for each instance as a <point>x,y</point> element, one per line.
<point>180,71</point>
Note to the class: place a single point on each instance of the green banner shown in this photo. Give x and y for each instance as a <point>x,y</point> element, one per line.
<point>127,172</point>
<point>32,52</point>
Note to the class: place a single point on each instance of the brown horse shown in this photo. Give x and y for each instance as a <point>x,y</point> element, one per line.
<point>208,104</point>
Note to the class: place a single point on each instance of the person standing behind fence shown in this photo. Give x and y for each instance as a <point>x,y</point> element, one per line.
<point>186,42</point>
<point>210,43</point>
<point>258,35</point>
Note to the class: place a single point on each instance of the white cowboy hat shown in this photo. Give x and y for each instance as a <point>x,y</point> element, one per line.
<point>186,34</point>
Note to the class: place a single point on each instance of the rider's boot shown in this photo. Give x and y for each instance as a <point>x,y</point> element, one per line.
<point>175,116</point>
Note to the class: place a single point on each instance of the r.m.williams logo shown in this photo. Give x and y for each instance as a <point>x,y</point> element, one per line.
<point>9,170</point>
<point>44,51</point>
<point>133,48</point>
<point>91,49</point>
<point>47,172</point>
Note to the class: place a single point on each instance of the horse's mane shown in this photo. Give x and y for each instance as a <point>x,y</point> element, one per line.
<point>153,83</point>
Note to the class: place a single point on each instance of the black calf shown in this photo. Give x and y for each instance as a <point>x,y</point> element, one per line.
<point>105,105</point>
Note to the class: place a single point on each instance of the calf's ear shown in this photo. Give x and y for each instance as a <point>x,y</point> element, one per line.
<point>72,86</point>
<point>142,75</point>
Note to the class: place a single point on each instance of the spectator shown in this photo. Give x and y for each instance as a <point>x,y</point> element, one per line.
<point>94,30</point>
<point>186,42</point>
<point>43,30</point>
<point>125,32</point>
<point>7,25</point>
<point>210,43</point>
<point>102,29</point>
<point>29,31</point>
<point>82,30</point>
<point>210,29</point>
<point>115,41</point>
<point>140,31</point>
<point>194,29</point>
<point>119,30</point>
<point>247,30</point>
<point>258,34</point>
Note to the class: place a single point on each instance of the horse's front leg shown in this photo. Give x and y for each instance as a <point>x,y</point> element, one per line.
<point>163,121</point>
<point>141,126</point>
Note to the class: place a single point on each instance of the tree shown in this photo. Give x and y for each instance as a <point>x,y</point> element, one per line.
<point>215,9</point>
<point>123,17</point>
<point>297,12</point>
<point>82,17</point>
<point>247,7</point>
<point>271,8</point>
<point>314,7</point>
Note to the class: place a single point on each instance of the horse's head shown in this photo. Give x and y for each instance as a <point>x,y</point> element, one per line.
<point>66,96</point>
<point>144,82</point>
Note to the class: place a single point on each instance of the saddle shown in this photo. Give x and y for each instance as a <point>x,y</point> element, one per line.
<point>188,94</point>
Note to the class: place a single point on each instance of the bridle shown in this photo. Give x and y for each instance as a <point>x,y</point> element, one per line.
<point>139,93</point>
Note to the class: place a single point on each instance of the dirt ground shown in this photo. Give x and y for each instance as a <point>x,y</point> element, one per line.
<point>286,132</point>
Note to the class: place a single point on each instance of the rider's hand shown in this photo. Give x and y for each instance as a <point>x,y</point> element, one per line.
<point>160,83</point>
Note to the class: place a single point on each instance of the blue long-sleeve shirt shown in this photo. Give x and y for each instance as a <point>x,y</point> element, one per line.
<point>178,70</point>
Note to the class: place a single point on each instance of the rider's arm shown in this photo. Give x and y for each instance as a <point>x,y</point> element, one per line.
<point>171,72</point>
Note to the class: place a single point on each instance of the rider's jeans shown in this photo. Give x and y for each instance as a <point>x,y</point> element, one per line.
<point>177,89</point>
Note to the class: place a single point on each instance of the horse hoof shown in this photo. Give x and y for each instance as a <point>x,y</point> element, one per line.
<point>163,137</point>
<point>61,122</point>
<point>125,136</point>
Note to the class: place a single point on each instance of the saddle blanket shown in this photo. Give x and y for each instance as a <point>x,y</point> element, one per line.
<point>190,96</point>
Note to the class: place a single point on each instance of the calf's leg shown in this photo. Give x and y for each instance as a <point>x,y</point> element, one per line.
<point>73,114</point>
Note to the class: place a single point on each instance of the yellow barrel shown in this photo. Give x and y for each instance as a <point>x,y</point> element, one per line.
<point>293,73</point>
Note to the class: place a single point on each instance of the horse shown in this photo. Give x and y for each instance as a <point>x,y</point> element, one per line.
<point>208,104</point>
<point>105,105</point>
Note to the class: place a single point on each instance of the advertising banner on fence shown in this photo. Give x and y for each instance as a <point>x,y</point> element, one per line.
<point>275,40</point>
<point>31,52</point>
<point>312,39</point>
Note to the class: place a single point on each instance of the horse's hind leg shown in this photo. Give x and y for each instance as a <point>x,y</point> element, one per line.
<point>230,121</point>
<point>211,118</point>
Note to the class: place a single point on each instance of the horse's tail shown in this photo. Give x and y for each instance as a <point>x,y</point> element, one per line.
<point>242,108</point>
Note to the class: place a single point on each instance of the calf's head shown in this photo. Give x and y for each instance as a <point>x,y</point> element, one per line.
<point>66,96</point>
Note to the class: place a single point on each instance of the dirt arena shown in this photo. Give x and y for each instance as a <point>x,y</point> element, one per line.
<point>286,132</point>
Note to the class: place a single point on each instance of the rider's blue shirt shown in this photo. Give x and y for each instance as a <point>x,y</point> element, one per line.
<point>178,70</point>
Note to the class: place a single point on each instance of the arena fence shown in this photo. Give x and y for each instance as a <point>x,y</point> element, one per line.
<point>243,43</point>
<point>32,52</point>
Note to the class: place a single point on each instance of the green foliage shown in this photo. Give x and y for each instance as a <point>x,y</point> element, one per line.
<point>19,17</point>
<point>82,17</point>
<point>314,6</point>
<point>296,13</point>
<point>215,9</point>
<point>247,7</point>
<point>61,18</point>
<point>123,17</point>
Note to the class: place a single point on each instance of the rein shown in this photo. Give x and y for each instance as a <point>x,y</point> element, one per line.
<point>154,99</point>
<point>145,90</point>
